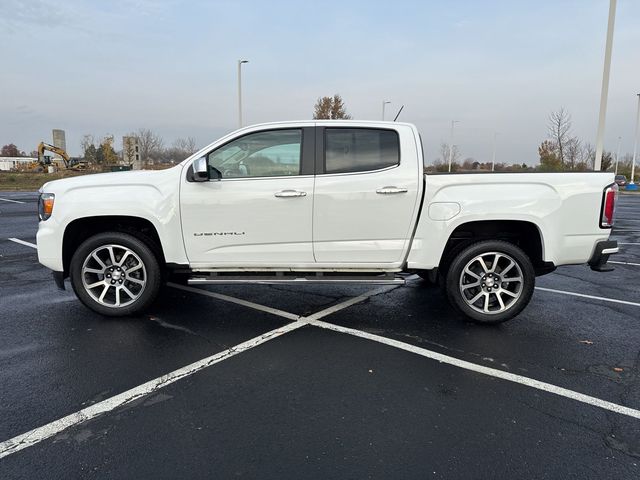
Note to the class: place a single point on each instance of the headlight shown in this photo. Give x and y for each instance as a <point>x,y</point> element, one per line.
<point>45,205</point>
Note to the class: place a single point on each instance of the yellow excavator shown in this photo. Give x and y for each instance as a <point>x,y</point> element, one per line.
<point>44,160</point>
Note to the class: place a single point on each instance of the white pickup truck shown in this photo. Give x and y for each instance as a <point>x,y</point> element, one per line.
<point>322,201</point>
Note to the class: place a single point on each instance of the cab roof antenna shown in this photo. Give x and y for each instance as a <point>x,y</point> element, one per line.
<point>398,114</point>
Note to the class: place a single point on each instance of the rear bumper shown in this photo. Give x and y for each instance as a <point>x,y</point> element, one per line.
<point>598,261</point>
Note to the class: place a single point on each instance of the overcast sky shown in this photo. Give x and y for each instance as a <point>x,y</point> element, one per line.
<point>115,66</point>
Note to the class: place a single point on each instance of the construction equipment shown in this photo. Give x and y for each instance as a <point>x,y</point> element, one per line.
<point>44,160</point>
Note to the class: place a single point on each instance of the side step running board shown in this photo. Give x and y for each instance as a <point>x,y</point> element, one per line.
<point>293,280</point>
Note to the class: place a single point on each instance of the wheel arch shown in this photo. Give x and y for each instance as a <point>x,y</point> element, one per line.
<point>526,235</point>
<point>83,228</point>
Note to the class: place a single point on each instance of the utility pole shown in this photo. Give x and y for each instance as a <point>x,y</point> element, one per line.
<point>384,102</point>
<point>618,154</point>
<point>240,62</point>
<point>453,122</point>
<point>605,86</point>
<point>493,160</point>
<point>635,150</point>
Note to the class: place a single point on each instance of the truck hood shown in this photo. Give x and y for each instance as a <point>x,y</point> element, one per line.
<point>153,178</point>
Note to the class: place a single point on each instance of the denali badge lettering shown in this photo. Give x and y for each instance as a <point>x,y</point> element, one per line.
<point>211,234</point>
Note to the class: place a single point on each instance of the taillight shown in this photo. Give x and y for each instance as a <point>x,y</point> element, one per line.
<point>609,206</point>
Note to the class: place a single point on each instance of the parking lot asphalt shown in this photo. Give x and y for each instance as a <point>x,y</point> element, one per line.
<point>394,384</point>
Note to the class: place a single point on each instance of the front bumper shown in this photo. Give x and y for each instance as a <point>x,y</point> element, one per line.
<point>598,261</point>
<point>49,240</point>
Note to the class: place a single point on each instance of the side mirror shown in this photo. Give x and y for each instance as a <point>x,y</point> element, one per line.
<point>201,170</point>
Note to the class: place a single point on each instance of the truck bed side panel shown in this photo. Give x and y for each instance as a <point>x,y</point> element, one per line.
<point>565,208</point>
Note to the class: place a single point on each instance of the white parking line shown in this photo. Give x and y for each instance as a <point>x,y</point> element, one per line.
<point>350,302</point>
<point>547,387</point>
<point>39,434</point>
<point>22,242</point>
<point>238,301</point>
<point>630,243</point>
<point>492,372</point>
<point>12,201</point>
<point>604,299</point>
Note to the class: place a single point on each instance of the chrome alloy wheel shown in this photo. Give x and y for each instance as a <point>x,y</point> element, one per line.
<point>114,275</point>
<point>491,282</point>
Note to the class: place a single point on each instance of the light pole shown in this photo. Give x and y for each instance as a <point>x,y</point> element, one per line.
<point>618,154</point>
<point>384,102</point>
<point>493,160</point>
<point>632,185</point>
<point>240,62</point>
<point>453,122</point>
<point>605,86</point>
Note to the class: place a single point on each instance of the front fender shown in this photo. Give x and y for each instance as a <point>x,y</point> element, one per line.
<point>153,197</point>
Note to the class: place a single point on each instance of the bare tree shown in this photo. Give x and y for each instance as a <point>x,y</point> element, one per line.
<point>330,108</point>
<point>87,140</point>
<point>589,155</point>
<point>180,149</point>
<point>150,144</point>
<point>186,145</point>
<point>444,153</point>
<point>559,128</point>
<point>573,152</point>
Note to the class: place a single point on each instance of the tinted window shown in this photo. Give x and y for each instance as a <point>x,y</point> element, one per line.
<point>261,154</point>
<point>360,149</point>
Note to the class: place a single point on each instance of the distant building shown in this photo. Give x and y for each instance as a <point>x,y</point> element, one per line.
<point>59,140</point>
<point>131,152</point>
<point>14,163</point>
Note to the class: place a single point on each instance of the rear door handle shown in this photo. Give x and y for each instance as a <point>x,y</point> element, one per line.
<point>290,193</point>
<point>391,190</point>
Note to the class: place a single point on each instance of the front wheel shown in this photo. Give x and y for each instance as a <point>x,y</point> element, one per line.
<point>490,281</point>
<point>115,274</point>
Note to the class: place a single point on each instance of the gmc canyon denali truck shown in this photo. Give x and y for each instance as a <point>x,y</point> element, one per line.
<point>322,201</point>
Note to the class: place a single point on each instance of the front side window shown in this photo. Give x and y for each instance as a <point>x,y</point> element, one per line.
<point>262,154</point>
<point>360,149</point>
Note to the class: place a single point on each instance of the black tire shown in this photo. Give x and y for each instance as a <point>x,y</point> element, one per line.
<point>140,253</point>
<point>488,308</point>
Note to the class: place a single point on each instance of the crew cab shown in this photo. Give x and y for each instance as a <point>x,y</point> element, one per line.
<point>322,201</point>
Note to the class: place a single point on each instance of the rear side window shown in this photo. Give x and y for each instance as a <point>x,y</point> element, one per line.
<point>360,149</point>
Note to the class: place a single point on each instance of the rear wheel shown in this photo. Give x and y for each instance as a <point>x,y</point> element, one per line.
<point>490,281</point>
<point>115,274</point>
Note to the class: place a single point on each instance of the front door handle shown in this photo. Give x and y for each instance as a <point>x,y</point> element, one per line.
<point>290,193</point>
<point>390,190</point>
